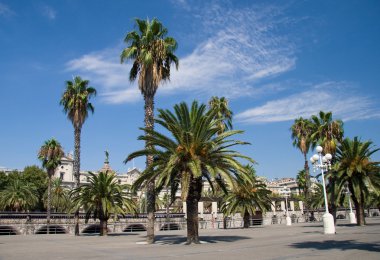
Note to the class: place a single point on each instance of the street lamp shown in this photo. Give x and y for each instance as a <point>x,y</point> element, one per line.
<point>351,215</point>
<point>323,163</point>
<point>285,193</point>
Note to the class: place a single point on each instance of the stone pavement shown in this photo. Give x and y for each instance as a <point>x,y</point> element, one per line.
<point>300,241</point>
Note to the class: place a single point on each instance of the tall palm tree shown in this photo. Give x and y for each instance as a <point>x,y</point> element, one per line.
<point>356,168</point>
<point>18,196</point>
<point>76,104</point>
<point>246,197</point>
<point>101,198</point>
<point>190,153</point>
<point>50,155</point>
<point>301,135</point>
<point>152,53</point>
<point>222,113</point>
<point>328,133</point>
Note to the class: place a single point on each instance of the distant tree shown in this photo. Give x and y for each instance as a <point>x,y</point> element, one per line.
<point>60,200</point>
<point>302,181</point>
<point>18,196</point>
<point>222,113</point>
<point>38,178</point>
<point>50,155</point>
<point>246,196</point>
<point>3,180</point>
<point>76,104</point>
<point>101,198</point>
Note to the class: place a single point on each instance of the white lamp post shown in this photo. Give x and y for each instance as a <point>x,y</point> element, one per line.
<point>286,192</point>
<point>351,215</point>
<point>323,163</point>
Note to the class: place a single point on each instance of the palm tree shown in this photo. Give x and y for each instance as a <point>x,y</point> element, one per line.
<point>356,168</point>
<point>301,135</point>
<point>328,133</point>
<point>18,196</point>
<point>76,104</point>
<point>246,197</point>
<point>60,200</point>
<point>302,181</point>
<point>192,152</point>
<point>50,155</point>
<point>152,54</point>
<point>222,113</point>
<point>101,198</point>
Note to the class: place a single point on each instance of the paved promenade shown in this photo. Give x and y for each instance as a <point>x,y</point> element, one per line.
<point>300,241</point>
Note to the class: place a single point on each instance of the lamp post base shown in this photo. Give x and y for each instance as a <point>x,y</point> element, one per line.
<point>288,221</point>
<point>352,218</point>
<point>328,224</point>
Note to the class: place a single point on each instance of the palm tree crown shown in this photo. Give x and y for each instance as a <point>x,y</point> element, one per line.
<point>222,113</point>
<point>50,155</point>
<point>152,54</point>
<point>76,101</point>
<point>326,132</point>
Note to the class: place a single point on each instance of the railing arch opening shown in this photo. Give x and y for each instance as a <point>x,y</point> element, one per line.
<point>135,228</point>
<point>170,226</point>
<point>93,229</point>
<point>53,229</point>
<point>8,230</point>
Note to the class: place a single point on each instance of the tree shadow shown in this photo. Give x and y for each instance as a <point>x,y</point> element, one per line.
<point>178,239</point>
<point>342,245</point>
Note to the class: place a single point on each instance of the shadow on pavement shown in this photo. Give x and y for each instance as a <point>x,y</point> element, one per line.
<point>342,245</point>
<point>178,239</point>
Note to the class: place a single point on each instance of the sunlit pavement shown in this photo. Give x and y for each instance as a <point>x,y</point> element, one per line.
<point>299,241</point>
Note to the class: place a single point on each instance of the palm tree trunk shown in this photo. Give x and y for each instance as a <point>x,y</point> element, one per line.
<point>150,195</point>
<point>48,208</point>
<point>246,219</point>
<point>307,177</point>
<point>194,195</point>
<point>103,227</point>
<point>359,205</point>
<point>77,133</point>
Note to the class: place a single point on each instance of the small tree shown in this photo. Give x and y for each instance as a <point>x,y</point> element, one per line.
<point>102,198</point>
<point>246,196</point>
<point>50,155</point>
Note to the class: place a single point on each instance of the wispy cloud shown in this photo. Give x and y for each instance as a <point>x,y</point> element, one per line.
<point>5,10</point>
<point>104,70</point>
<point>49,12</point>
<point>338,97</point>
<point>239,48</point>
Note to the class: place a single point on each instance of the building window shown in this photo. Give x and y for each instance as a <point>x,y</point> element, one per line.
<point>61,175</point>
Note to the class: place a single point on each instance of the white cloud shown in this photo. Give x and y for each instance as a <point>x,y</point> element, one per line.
<point>337,97</point>
<point>49,12</point>
<point>5,10</point>
<point>106,73</point>
<point>239,49</point>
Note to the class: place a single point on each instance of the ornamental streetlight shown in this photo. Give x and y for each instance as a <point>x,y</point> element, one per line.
<point>351,215</point>
<point>286,194</point>
<point>323,163</point>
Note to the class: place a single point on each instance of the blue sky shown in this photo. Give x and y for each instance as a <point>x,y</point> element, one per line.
<point>274,61</point>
